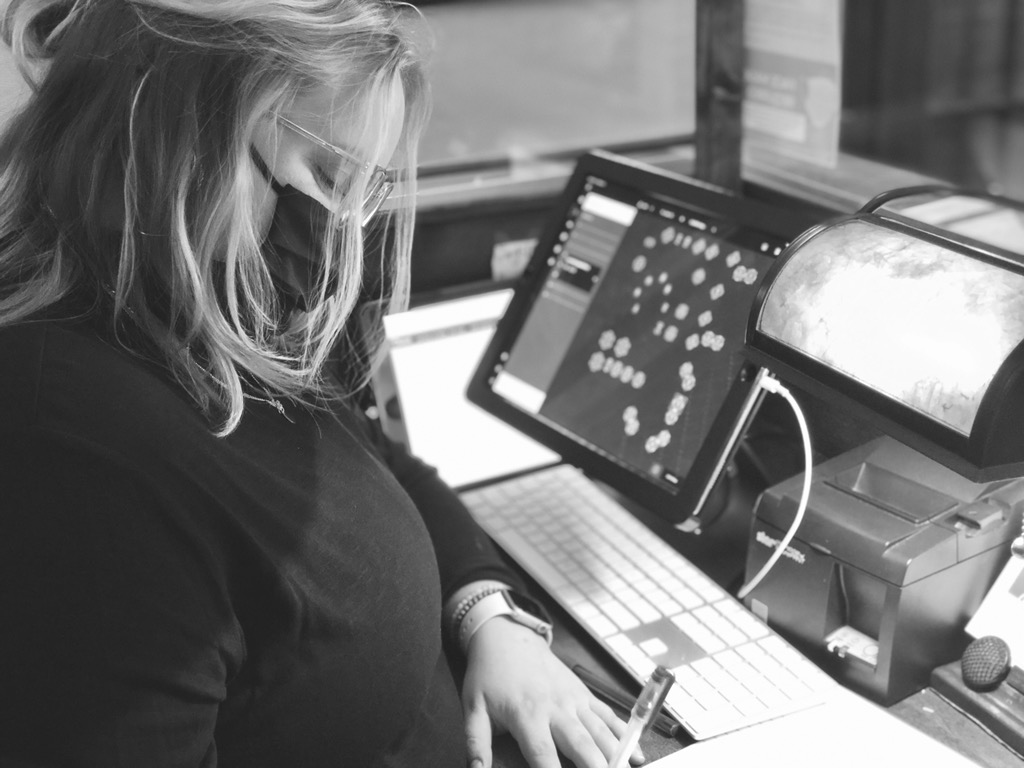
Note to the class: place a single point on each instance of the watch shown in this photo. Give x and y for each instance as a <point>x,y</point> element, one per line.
<point>517,607</point>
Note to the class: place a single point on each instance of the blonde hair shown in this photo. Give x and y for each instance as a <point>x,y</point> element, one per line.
<point>127,189</point>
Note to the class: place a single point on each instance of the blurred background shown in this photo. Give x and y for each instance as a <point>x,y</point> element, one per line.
<point>521,87</point>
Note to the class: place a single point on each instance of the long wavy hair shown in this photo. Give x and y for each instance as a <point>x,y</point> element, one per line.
<point>127,186</point>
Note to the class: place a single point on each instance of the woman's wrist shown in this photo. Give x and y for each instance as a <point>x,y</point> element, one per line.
<point>505,604</point>
<point>478,603</point>
<point>463,599</point>
<point>503,629</point>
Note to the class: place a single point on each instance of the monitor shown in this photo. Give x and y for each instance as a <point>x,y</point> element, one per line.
<point>621,348</point>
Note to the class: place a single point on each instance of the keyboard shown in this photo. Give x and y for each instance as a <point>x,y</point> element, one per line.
<point>645,603</point>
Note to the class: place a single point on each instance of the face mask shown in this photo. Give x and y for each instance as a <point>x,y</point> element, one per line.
<point>294,244</point>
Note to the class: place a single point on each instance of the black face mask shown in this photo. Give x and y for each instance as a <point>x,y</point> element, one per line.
<point>293,246</point>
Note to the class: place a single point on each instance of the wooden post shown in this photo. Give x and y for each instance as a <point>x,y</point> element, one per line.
<point>720,62</point>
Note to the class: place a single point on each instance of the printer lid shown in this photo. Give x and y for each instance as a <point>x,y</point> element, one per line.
<point>892,511</point>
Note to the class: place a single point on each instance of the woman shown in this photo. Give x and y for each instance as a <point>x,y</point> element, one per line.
<point>207,555</point>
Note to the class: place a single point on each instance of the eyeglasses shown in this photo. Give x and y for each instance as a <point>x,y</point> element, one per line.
<point>380,181</point>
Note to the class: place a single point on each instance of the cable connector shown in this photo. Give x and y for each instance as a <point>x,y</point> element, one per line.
<point>770,384</point>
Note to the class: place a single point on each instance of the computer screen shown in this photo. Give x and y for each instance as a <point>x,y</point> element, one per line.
<point>621,348</point>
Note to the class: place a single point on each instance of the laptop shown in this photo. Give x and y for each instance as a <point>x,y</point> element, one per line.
<point>431,352</point>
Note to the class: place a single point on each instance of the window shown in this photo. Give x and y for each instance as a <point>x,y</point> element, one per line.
<point>539,79</point>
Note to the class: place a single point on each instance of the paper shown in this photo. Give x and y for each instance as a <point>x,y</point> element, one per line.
<point>846,732</point>
<point>793,79</point>
<point>1002,611</point>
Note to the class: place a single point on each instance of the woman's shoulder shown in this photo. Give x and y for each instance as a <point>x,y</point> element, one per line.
<point>66,377</point>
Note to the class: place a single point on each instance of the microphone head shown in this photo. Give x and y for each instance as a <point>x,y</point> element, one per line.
<point>985,663</point>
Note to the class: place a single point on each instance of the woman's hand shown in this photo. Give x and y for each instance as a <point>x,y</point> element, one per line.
<point>515,683</point>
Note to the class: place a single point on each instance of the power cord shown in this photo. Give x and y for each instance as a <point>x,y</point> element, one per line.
<point>770,384</point>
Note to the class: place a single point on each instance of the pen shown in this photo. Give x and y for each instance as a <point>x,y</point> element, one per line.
<point>662,723</point>
<point>647,704</point>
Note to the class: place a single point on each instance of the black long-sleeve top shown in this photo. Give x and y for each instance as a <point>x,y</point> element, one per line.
<point>171,598</point>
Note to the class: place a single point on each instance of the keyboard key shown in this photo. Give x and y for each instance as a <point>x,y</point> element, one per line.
<point>601,626</point>
<point>654,647</point>
<point>623,619</point>
<point>665,604</point>
<point>634,658</point>
<point>585,610</point>
<point>705,587</point>
<point>686,597</point>
<point>704,693</point>
<point>750,625</point>
<point>573,596</point>
<point>644,611</point>
<point>698,634</point>
<point>534,562</point>
<point>728,686</point>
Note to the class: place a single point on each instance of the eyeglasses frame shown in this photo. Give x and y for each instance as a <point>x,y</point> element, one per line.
<point>381,180</point>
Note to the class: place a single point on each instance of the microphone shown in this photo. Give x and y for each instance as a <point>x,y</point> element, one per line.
<point>986,664</point>
<point>975,686</point>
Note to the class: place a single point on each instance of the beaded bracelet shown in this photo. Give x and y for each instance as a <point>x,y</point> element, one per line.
<point>465,604</point>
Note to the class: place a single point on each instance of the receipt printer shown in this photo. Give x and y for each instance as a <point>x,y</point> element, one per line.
<point>893,556</point>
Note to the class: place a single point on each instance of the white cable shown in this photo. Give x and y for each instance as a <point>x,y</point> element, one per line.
<point>770,384</point>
